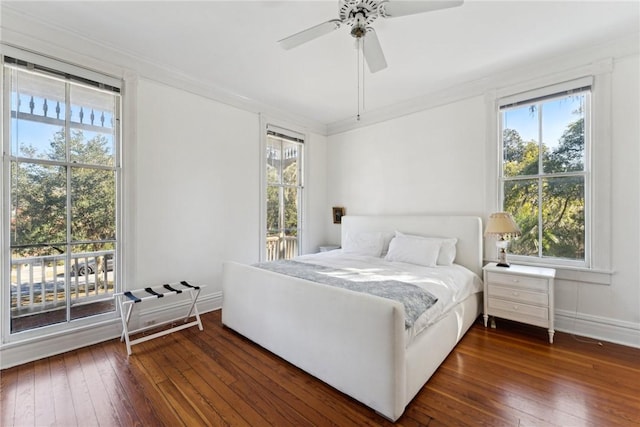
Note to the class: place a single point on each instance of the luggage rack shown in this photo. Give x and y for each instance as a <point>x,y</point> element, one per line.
<point>129,299</point>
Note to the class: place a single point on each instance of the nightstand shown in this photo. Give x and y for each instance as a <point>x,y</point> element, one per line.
<point>520,293</point>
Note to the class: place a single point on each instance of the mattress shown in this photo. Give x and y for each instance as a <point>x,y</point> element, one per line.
<point>449,284</point>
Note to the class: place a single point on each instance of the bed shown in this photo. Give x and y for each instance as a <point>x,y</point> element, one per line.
<point>356,342</point>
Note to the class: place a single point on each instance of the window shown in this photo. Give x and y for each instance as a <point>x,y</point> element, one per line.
<point>544,172</point>
<point>283,161</point>
<point>61,142</point>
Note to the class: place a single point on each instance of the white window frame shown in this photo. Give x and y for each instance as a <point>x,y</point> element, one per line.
<point>534,97</point>
<point>601,168</point>
<point>5,214</point>
<point>270,124</point>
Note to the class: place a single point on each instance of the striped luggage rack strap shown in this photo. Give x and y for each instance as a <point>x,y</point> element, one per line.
<point>139,295</point>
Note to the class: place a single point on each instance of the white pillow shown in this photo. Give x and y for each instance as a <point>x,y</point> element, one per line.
<point>363,243</point>
<point>447,253</point>
<point>414,251</point>
<point>386,239</point>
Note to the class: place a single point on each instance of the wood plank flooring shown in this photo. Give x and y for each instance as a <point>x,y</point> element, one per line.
<point>509,376</point>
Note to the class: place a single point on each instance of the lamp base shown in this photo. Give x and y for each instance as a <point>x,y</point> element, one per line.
<point>502,253</point>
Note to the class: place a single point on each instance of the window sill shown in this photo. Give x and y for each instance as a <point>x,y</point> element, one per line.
<point>586,275</point>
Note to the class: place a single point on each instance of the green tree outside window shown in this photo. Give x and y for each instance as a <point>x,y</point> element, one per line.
<point>544,183</point>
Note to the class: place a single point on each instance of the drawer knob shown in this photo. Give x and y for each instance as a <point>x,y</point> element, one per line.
<point>515,307</point>
<point>515,280</point>
<point>515,294</point>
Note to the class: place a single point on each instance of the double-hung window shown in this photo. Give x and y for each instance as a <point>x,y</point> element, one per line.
<point>284,188</point>
<point>61,145</point>
<point>544,174</point>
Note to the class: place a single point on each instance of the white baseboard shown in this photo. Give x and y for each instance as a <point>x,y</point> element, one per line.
<point>13,354</point>
<point>599,328</point>
<point>17,353</point>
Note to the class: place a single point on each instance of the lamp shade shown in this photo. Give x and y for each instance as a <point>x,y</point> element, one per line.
<point>501,224</point>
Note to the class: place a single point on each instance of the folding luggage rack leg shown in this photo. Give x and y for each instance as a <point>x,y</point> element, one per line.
<point>127,300</point>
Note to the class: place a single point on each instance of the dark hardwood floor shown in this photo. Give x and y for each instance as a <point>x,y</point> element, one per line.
<point>510,376</point>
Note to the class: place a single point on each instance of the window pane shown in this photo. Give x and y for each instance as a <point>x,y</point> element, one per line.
<point>563,227</point>
<point>93,204</point>
<point>520,141</point>
<point>273,209</point>
<point>92,279</point>
<point>291,210</point>
<point>290,153</point>
<point>38,203</point>
<point>38,290</point>
<point>521,200</point>
<point>563,134</point>
<point>552,129</point>
<point>72,127</point>
<point>283,158</point>
<point>273,240</point>
<point>273,158</point>
<point>92,128</point>
<point>290,245</point>
<point>37,116</point>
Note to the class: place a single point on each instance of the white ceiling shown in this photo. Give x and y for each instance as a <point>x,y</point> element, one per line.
<point>231,45</point>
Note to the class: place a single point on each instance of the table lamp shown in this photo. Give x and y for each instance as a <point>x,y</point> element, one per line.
<point>501,224</point>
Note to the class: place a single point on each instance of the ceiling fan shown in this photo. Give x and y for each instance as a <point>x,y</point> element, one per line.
<point>359,15</point>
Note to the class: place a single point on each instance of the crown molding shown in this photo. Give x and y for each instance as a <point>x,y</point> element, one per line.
<point>45,38</point>
<point>592,58</point>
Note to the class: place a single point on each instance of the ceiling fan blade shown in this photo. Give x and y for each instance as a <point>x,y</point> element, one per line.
<point>373,52</point>
<point>309,34</point>
<point>391,9</point>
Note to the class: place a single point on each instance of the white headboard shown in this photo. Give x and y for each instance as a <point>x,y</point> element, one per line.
<point>468,230</point>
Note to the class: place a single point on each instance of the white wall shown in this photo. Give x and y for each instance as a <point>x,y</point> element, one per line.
<point>440,160</point>
<point>612,312</point>
<point>191,183</point>
<point>431,161</point>
<point>315,184</point>
<point>198,187</point>
<point>196,167</point>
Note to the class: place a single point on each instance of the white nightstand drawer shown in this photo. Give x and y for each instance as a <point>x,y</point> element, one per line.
<point>515,294</point>
<point>519,308</point>
<point>517,280</point>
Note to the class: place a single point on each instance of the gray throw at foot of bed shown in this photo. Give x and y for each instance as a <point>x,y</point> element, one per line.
<point>414,299</point>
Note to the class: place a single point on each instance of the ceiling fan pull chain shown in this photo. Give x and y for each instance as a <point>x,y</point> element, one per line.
<point>358,77</point>
<point>363,85</point>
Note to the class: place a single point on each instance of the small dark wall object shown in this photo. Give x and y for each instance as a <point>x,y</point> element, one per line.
<point>338,213</point>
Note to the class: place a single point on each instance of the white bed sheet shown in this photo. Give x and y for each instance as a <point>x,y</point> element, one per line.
<point>450,284</point>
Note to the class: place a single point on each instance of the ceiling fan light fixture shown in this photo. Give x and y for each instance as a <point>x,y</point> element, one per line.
<point>358,31</point>
<point>359,24</point>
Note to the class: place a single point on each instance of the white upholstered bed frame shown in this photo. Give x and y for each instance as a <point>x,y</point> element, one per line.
<point>354,342</point>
